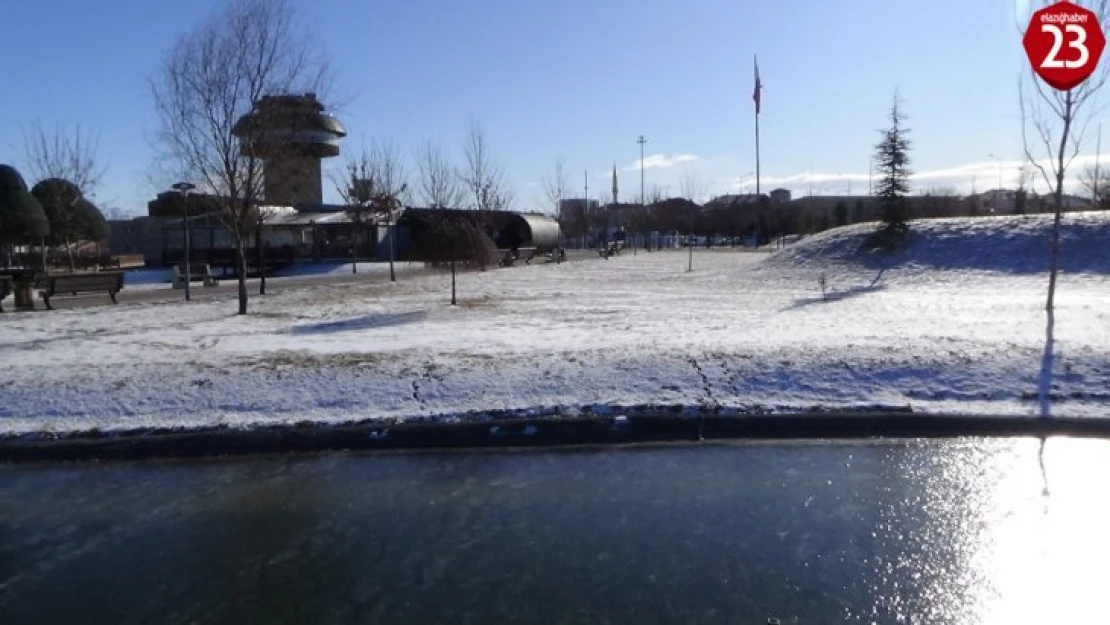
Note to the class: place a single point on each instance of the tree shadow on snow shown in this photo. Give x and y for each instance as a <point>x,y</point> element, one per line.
<point>836,296</point>
<point>365,322</point>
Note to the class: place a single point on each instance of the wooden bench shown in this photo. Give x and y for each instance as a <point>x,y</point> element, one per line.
<point>557,255</point>
<point>77,283</point>
<point>6,289</point>
<point>511,256</point>
<point>197,271</point>
<point>612,249</point>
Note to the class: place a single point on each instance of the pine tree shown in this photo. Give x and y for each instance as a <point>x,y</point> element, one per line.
<point>892,162</point>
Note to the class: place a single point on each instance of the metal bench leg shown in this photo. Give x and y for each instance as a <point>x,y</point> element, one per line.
<point>46,300</point>
<point>112,294</point>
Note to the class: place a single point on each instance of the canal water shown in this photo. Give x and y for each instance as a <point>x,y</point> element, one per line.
<point>942,531</point>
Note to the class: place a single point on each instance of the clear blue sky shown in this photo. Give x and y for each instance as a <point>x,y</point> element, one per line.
<point>577,78</point>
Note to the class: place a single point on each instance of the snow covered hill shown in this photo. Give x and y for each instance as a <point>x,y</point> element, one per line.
<point>1013,244</point>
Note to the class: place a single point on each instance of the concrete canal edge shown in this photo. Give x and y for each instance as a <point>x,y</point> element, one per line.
<point>522,432</point>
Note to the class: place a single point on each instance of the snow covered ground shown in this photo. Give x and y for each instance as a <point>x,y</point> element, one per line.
<point>954,323</point>
<point>156,277</point>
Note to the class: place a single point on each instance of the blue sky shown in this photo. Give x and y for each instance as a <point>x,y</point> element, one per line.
<point>578,79</point>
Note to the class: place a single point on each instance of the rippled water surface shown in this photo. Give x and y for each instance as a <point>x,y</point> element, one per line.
<point>955,531</point>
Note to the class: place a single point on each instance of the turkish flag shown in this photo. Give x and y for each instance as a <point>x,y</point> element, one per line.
<point>756,95</point>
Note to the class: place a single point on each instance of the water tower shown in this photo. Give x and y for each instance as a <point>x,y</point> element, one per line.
<point>291,134</point>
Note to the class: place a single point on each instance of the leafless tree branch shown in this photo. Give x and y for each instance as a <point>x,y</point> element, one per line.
<point>212,77</point>
<point>71,156</point>
<point>555,185</point>
<point>438,181</point>
<point>483,177</point>
<point>692,186</point>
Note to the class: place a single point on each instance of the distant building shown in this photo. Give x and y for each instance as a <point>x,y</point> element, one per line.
<point>574,207</point>
<point>1004,202</point>
<point>733,200</point>
<point>780,196</point>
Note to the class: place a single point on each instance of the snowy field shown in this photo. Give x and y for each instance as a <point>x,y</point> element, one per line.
<point>955,323</point>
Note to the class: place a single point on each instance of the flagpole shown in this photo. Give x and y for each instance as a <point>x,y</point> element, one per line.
<point>757,154</point>
<point>758,88</point>
<point>1098,157</point>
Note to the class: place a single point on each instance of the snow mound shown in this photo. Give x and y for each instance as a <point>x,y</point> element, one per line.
<point>1012,244</point>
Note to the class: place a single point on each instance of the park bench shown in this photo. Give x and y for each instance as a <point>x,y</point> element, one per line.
<point>511,256</point>
<point>612,249</point>
<point>556,255</point>
<point>6,289</point>
<point>197,271</point>
<point>77,283</point>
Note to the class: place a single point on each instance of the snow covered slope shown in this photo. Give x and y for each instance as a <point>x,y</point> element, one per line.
<point>1016,244</point>
<point>745,332</point>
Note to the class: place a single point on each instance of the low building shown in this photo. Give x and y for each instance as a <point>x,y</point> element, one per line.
<point>304,232</point>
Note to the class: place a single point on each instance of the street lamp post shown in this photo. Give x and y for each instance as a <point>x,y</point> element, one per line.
<point>391,227</point>
<point>870,173</point>
<point>997,160</point>
<point>184,188</point>
<point>744,179</point>
<point>643,198</point>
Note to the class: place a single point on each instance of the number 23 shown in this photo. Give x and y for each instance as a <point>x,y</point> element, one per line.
<point>1079,43</point>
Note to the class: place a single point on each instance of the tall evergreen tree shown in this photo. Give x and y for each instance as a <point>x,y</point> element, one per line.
<point>892,160</point>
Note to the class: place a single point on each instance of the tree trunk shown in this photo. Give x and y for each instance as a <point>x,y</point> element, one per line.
<point>72,260</point>
<point>1045,382</point>
<point>241,271</point>
<point>389,233</point>
<point>260,257</point>
<point>453,302</point>
<point>354,248</point>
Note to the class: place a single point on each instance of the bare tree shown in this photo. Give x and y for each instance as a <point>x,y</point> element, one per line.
<point>483,177</point>
<point>212,77</point>
<point>62,155</point>
<point>357,189</point>
<point>439,182</point>
<point>388,170</point>
<point>1058,120</point>
<point>446,238</point>
<point>1095,182</point>
<point>692,186</point>
<point>555,186</point>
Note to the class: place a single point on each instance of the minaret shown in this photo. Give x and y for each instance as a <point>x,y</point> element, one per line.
<point>615,200</point>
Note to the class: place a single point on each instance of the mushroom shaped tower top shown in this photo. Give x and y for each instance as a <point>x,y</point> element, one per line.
<point>287,125</point>
<point>291,134</point>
